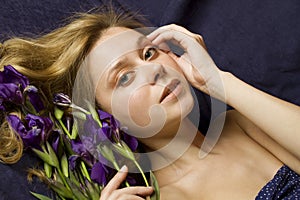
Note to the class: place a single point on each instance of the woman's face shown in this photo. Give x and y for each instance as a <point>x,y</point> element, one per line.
<point>142,86</point>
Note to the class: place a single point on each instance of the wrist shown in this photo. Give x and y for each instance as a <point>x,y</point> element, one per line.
<point>227,78</point>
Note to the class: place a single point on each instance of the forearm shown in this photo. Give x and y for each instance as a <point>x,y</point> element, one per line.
<point>278,118</point>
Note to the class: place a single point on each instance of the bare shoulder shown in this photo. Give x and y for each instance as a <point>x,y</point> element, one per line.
<point>262,138</point>
<point>243,122</point>
<point>171,193</point>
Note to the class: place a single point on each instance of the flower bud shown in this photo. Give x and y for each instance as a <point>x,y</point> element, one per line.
<point>58,113</point>
<point>61,99</point>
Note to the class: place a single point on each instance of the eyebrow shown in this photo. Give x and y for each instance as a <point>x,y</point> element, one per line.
<point>119,64</point>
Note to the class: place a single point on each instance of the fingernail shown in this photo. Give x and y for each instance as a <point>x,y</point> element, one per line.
<point>123,168</point>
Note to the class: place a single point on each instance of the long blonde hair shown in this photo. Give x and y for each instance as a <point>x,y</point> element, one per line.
<point>51,61</point>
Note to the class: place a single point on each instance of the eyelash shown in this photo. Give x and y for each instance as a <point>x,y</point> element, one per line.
<point>132,73</point>
<point>152,48</point>
<point>120,83</point>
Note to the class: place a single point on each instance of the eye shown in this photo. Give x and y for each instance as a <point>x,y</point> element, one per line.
<point>126,78</point>
<point>150,52</point>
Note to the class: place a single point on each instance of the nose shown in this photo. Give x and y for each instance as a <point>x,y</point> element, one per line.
<point>157,72</point>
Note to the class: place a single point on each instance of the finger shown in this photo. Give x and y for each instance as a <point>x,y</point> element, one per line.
<point>172,55</point>
<point>181,38</point>
<point>190,45</point>
<point>164,47</point>
<point>131,193</point>
<point>158,31</point>
<point>162,29</point>
<point>116,181</point>
<point>126,197</point>
<point>137,190</point>
<point>200,40</point>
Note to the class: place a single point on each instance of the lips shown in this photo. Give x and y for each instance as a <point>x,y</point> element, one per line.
<point>169,89</point>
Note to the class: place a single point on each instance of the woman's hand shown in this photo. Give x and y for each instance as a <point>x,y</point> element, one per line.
<point>196,64</point>
<point>111,191</point>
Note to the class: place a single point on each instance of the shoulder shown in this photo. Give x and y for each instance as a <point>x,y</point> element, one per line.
<point>263,139</point>
<point>243,122</point>
<point>170,193</point>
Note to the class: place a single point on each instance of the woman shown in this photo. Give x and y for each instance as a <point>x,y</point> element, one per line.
<point>257,140</point>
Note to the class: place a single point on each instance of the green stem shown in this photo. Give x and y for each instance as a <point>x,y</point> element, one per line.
<point>84,171</point>
<point>79,108</point>
<point>62,176</point>
<point>99,123</point>
<point>118,168</point>
<point>64,128</point>
<point>140,169</point>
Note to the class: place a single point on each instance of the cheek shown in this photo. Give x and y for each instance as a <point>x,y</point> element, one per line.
<point>104,101</point>
<point>131,107</point>
<point>139,104</point>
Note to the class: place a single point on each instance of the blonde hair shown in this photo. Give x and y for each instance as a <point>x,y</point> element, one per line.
<point>52,60</point>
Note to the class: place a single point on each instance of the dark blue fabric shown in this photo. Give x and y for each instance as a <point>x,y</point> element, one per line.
<point>256,40</point>
<point>14,183</point>
<point>285,185</point>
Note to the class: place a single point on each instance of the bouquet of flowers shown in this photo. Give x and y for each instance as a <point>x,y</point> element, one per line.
<point>76,166</point>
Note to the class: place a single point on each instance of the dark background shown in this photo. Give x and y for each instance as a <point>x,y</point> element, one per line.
<point>258,41</point>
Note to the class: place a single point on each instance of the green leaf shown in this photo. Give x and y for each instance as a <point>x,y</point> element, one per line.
<point>44,156</point>
<point>73,178</point>
<point>154,183</point>
<point>52,155</point>
<point>66,144</point>
<point>84,170</point>
<point>92,190</point>
<point>28,107</point>
<point>79,115</point>
<point>77,192</point>
<point>48,170</point>
<point>74,132</point>
<point>94,113</point>
<point>107,153</point>
<point>61,190</point>
<point>65,165</point>
<point>124,150</point>
<point>40,196</point>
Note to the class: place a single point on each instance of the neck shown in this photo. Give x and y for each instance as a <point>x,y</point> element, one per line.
<point>176,151</point>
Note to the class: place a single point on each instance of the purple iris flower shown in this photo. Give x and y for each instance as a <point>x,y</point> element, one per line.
<point>1,105</point>
<point>82,151</point>
<point>10,92</point>
<point>54,139</point>
<point>40,125</point>
<point>114,128</point>
<point>11,75</point>
<point>12,84</point>
<point>104,116</point>
<point>131,180</point>
<point>34,98</point>
<point>100,171</point>
<point>73,161</point>
<point>131,141</point>
<point>92,130</point>
<point>33,131</point>
<point>61,99</point>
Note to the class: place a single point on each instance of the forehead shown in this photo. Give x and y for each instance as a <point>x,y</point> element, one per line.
<point>114,43</point>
